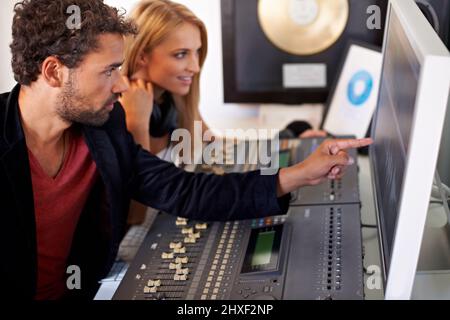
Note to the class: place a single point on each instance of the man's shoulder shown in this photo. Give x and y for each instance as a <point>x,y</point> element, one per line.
<point>6,97</point>
<point>3,103</point>
<point>3,99</point>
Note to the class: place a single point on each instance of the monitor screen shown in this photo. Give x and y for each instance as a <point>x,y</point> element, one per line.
<point>393,127</point>
<point>407,129</point>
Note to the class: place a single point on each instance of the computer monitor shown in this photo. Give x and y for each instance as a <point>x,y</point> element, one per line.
<point>408,122</point>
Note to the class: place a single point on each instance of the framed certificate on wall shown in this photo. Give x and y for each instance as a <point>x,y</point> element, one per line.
<point>354,96</point>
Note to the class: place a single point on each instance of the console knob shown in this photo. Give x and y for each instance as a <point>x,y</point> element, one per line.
<point>175,245</point>
<point>189,240</point>
<point>187,230</point>
<point>181,221</point>
<point>175,266</point>
<point>167,255</point>
<point>182,271</point>
<point>180,250</point>
<point>201,226</point>
<point>195,235</point>
<point>183,260</point>
<point>180,277</point>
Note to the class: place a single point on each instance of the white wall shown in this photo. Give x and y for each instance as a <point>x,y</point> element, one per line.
<point>218,115</point>
<point>6,15</point>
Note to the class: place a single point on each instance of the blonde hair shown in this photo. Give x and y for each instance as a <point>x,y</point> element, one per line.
<point>156,19</point>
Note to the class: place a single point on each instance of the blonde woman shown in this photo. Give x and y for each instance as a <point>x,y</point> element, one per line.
<point>163,63</point>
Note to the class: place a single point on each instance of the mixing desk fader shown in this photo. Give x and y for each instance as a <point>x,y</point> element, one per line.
<point>312,253</point>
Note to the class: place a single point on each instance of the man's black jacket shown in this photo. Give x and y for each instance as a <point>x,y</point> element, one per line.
<point>126,172</point>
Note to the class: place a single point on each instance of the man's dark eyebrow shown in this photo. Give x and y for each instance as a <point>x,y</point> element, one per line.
<point>114,65</point>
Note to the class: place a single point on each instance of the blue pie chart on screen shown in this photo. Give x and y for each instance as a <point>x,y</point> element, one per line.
<point>359,88</point>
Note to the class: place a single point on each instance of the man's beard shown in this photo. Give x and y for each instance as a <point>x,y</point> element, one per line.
<point>75,108</point>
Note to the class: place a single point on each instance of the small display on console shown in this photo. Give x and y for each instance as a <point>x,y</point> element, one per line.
<point>263,249</point>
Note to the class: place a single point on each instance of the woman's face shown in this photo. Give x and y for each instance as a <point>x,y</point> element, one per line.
<point>173,63</point>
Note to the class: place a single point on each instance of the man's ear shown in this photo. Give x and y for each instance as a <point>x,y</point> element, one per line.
<point>52,71</point>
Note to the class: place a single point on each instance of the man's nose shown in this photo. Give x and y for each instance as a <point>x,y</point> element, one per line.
<point>120,85</point>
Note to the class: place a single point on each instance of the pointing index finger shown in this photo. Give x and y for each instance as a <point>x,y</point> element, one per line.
<point>343,144</point>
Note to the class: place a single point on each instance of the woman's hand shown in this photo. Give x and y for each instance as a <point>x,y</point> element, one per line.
<point>138,104</point>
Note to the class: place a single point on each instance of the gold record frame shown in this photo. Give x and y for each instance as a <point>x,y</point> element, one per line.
<point>303,33</point>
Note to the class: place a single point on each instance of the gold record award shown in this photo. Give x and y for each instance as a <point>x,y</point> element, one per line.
<point>303,27</point>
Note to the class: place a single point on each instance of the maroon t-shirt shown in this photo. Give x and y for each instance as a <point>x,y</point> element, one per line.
<point>58,204</point>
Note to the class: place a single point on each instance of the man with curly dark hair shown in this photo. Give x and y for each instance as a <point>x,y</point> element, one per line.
<point>68,166</point>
